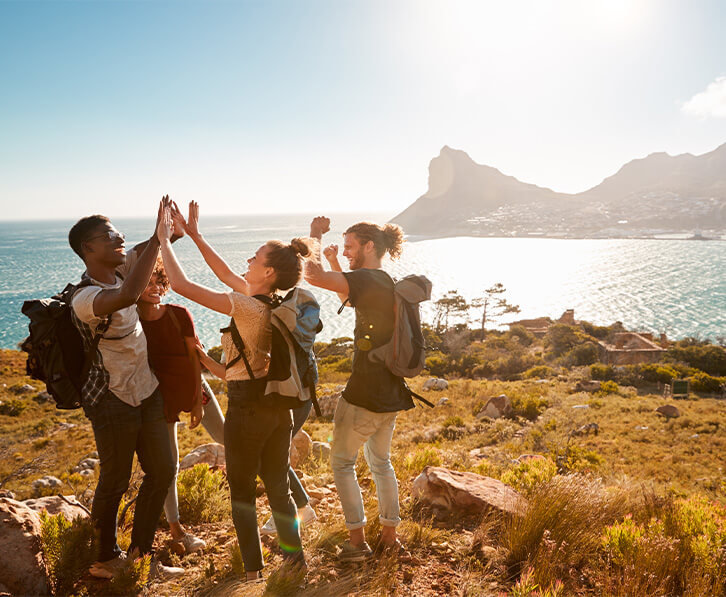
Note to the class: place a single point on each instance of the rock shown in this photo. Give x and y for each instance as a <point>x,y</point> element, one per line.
<point>209,454</point>
<point>443,401</point>
<point>46,482</point>
<point>328,404</point>
<point>22,568</point>
<point>321,451</point>
<point>66,426</point>
<point>24,389</point>
<point>434,383</point>
<point>497,407</point>
<point>581,406</point>
<point>457,490</point>
<point>43,397</point>
<point>53,505</point>
<point>6,493</point>
<point>93,455</point>
<point>590,385</point>
<point>641,428</point>
<point>300,448</point>
<point>669,411</point>
<point>585,430</point>
<point>86,472</point>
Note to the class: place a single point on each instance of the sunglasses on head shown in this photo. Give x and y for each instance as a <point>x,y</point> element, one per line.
<point>108,235</point>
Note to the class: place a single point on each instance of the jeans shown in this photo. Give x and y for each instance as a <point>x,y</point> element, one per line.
<point>299,416</point>
<point>213,422</point>
<point>120,431</point>
<point>355,427</point>
<point>257,442</point>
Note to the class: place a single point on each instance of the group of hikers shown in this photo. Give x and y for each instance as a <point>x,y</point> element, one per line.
<point>145,368</point>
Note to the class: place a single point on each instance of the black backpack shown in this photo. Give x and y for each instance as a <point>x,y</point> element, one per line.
<point>55,347</point>
<point>292,374</point>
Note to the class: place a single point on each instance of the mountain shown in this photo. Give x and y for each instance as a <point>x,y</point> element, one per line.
<point>658,193</point>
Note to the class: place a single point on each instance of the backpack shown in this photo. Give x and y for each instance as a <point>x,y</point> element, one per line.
<point>293,370</point>
<point>55,348</point>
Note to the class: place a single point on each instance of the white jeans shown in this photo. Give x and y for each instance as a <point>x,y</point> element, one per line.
<point>355,427</point>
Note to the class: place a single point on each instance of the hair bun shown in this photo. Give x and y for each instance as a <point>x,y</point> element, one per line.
<point>300,246</point>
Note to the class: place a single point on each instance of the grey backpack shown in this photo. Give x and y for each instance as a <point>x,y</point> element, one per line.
<point>405,354</point>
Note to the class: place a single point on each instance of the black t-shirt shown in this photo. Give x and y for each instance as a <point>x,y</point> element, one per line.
<point>372,385</point>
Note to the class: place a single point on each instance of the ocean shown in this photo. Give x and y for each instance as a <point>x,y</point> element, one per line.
<point>672,286</point>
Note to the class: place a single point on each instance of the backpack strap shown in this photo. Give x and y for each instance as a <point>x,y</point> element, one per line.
<point>421,398</point>
<point>239,345</point>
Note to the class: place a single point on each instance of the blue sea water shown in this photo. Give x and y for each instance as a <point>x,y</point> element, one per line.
<point>672,286</point>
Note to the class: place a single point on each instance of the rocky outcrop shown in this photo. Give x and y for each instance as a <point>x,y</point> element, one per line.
<point>457,490</point>
<point>67,505</point>
<point>434,383</point>
<point>496,408</point>
<point>22,568</point>
<point>321,451</point>
<point>300,448</point>
<point>210,454</point>
<point>669,411</point>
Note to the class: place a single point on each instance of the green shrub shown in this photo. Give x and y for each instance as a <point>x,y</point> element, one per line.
<point>525,337</point>
<point>529,407</point>
<point>13,407</point>
<point>527,475</point>
<point>658,373</point>
<point>421,458</point>
<point>608,387</point>
<point>133,577</point>
<point>216,352</point>
<point>576,459</point>
<point>68,548</point>
<point>539,372</point>
<point>453,421</point>
<point>602,372</point>
<point>583,354</point>
<point>203,496</point>
<point>482,370</point>
<point>437,364</point>
<point>703,382</point>
<point>706,357</point>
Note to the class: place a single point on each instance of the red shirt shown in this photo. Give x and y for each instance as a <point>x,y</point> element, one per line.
<point>169,359</point>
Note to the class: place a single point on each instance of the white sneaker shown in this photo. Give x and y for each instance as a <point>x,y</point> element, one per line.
<point>192,543</point>
<point>159,571</point>
<point>109,568</point>
<point>305,515</point>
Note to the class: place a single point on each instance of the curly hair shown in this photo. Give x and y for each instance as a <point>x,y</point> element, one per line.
<point>160,273</point>
<point>287,261</point>
<point>388,238</point>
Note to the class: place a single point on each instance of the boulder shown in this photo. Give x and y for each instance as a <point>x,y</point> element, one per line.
<point>209,454</point>
<point>49,481</point>
<point>24,389</point>
<point>300,448</point>
<point>22,568</point>
<point>589,385</point>
<point>321,451</point>
<point>669,411</point>
<point>43,398</point>
<point>459,490</point>
<point>443,401</point>
<point>496,407</point>
<point>434,383</point>
<point>6,493</point>
<point>328,404</point>
<point>86,463</point>
<point>54,504</point>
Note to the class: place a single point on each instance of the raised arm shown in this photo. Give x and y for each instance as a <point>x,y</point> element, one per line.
<point>111,300</point>
<point>331,255</point>
<point>216,369</point>
<point>214,260</point>
<point>212,299</point>
<point>314,272</point>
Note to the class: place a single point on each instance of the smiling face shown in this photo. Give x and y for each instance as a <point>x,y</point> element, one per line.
<point>258,272</point>
<point>354,251</point>
<point>105,244</point>
<point>154,291</point>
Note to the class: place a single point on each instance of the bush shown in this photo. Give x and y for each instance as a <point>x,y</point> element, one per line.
<point>577,460</point>
<point>608,387</point>
<point>133,577</point>
<point>13,407</point>
<point>527,475</point>
<point>539,372</point>
<point>421,458</point>
<point>203,496</point>
<point>658,373</point>
<point>709,357</point>
<point>602,372</point>
<point>583,354</point>
<point>703,382</point>
<point>529,407</point>
<point>437,364</point>
<point>521,333</point>
<point>68,548</point>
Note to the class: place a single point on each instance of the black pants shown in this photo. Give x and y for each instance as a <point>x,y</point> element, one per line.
<point>257,442</point>
<point>120,431</point>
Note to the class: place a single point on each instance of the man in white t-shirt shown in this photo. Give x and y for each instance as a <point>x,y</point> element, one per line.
<point>120,395</point>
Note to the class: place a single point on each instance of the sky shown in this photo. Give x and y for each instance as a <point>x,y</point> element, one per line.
<point>339,105</point>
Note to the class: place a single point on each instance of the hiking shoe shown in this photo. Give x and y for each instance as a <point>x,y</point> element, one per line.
<point>159,571</point>
<point>305,515</point>
<point>192,543</point>
<point>109,568</point>
<point>354,553</point>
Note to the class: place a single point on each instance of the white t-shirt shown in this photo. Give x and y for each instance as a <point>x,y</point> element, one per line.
<point>123,345</point>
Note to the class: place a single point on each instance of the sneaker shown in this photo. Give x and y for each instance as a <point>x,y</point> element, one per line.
<point>305,515</point>
<point>354,553</point>
<point>159,571</point>
<point>192,543</point>
<point>109,568</point>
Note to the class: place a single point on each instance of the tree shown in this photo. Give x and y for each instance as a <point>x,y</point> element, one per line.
<point>452,303</point>
<point>493,305</point>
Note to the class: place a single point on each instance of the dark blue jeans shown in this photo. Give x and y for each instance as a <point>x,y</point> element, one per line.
<point>121,431</point>
<point>257,442</point>
<point>299,416</point>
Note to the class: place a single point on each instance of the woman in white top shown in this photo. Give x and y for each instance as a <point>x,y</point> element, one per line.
<point>256,434</point>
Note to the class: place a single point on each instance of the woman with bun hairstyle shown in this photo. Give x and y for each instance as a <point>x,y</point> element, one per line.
<point>257,435</point>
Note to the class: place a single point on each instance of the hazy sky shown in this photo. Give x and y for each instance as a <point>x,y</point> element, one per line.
<point>339,105</point>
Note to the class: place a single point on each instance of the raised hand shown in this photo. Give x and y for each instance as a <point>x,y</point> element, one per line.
<point>319,226</point>
<point>331,253</point>
<point>165,227</point>
<point>193,219</point>
<point>180,225</point>
<point>160,214</point>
